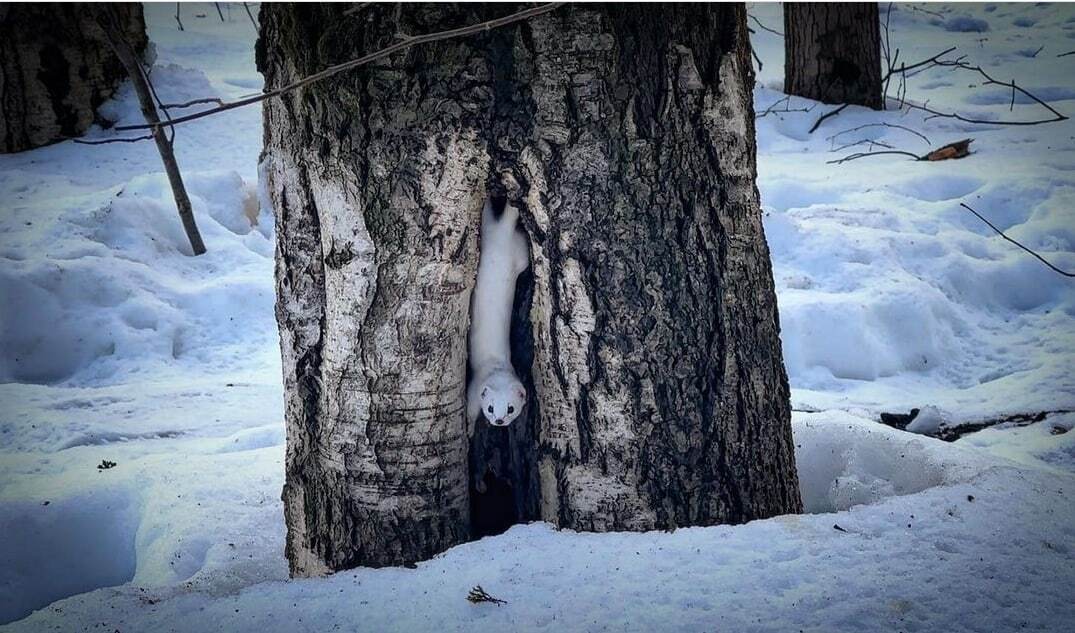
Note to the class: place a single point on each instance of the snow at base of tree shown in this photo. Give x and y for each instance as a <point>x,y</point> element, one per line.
<point>117,346</point>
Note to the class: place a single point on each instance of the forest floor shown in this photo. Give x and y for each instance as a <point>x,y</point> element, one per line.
<point>141,433</point>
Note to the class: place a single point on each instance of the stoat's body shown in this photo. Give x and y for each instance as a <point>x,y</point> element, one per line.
<point>495,391</point>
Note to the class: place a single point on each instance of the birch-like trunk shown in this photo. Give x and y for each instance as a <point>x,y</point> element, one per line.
<point>832,52</point>
<point>646,327</point>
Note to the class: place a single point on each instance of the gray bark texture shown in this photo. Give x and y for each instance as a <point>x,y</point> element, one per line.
<point>832,52</point>
<point>646,328</point>
<point>56,69</point>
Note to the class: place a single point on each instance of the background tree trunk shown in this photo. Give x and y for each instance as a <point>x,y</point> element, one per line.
<point>646,328</point>
<point>56,69</point>
<point>832,52</point>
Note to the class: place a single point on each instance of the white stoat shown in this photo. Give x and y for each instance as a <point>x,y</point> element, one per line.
<point>495,391</point>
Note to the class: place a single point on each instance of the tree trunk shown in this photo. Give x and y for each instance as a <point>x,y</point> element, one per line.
<point>646,328</point>
<point>832,52</point>
<point>56,69</point>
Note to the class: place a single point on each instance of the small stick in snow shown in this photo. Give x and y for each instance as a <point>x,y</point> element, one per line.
<point>478,595</point>
<point>250,15</point>
<point>177,20</point>
<point>828,114</point>
<point>1001,233</point>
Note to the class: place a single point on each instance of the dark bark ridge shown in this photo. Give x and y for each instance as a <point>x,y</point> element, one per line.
<point>56,69</point>
<point>832,52</point>
<point>646,327</point>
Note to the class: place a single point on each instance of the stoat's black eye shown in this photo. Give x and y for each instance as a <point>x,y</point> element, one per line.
<point>511,409</point>
<point>490,409</point>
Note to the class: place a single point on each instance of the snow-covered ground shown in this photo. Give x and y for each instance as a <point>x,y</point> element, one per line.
<point>116,345</point>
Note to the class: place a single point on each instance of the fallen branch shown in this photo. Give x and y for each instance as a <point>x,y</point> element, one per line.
<point>958,149</point>
<point>828,114</point>
<point>832,138</point>
<point>772,109</point>
<point>859,155</point>
<point>936,59</point>
<point>989,80</point>
<point>866,141</point>
<point>952,433</point>
<point>108,19</point>
<point>1001,233</point>
<point>106,141</point>
<point>187,104</point>
<point>354,63</point>
<point>478,595</point>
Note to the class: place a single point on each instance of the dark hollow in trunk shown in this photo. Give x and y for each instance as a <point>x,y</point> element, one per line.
<point>645,329</point>
<point>56,69</point>
<point>832,52</point>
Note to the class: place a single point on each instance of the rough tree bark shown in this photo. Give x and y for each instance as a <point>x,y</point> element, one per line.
<point>646,328</point>
<point>832,52</point>
<point>56,69</point>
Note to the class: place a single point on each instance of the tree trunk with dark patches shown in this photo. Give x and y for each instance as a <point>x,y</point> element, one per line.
<point>646,328</point>
<point>832,52</point>
<point>56,69</point>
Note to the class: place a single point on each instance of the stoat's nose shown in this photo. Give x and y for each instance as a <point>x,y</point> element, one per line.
<point>499,422</point>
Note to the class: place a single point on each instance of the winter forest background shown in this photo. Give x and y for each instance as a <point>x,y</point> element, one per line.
<point>141,431</point>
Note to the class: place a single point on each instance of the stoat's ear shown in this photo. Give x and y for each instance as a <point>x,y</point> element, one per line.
<point>521,393</point>
<point>485,391</point>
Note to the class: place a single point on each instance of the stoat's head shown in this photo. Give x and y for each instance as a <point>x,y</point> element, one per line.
<point>503,398</point>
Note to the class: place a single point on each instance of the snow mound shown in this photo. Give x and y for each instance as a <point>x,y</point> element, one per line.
<point>844,461</point>
<point>120,284</point>
<point>964,24</point>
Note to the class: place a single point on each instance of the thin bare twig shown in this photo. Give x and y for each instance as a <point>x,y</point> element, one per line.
<point>932,60</point>
<point>881,124</point>
<point>354,63</point>
<point>218,11</point>
<point>106,141</point>
<point>187,104</point>
<point>772,109</point>
<point>830,113</point>
<point>107,17</point>
<point>1001,233</point>
<point>989,80</point>
<point>1066,54</point>
<point>870,143</point>
<point>927,11</point>
<point>763,27</point>
<point>756,58</point>
<point>866,154</point>
<point>177,20</point>
<point>250,15</point>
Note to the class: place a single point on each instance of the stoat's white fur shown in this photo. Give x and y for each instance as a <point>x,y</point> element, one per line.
<point>495,391</point>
